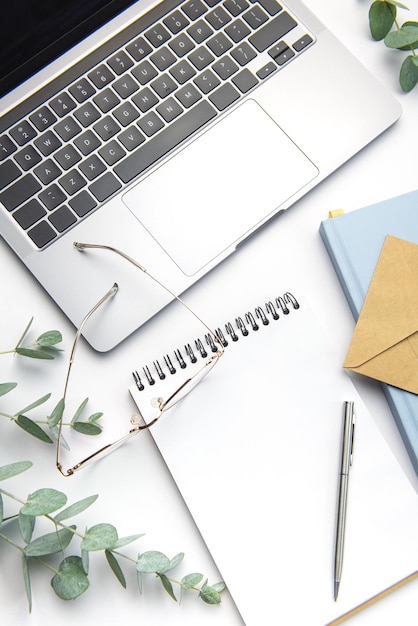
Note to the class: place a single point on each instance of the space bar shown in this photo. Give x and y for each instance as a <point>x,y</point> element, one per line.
<point>138,161</point>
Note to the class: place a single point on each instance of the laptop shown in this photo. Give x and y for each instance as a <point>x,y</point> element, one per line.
<point>171,130</point>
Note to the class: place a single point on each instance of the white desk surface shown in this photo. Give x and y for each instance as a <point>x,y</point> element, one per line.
<point>136,493</point>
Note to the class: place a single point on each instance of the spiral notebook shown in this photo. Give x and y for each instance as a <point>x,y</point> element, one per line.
<point>254,450</point>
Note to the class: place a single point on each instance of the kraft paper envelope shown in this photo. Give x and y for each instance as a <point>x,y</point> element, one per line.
<point>384,345</point>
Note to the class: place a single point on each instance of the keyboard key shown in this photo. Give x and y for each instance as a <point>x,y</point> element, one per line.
<point>151,124</point>
<point>145,99</point>
<point>181,45</point>
<point>7,147</point>
<point>255,17</point>
<point>92,167</point>
<point>207,81</point>
<point>139,49</point>
<point>218,18</point>
<point>27,158</point>
<point>200,31</point>
<point>42,233</point>
<point>82,90</point>
<point>302,43</point>
<point>87,114</point>
<point>188,95</point>
<point>120,62</point>
<point>176,22</point>
<point>194,9</point>
<point>225,67</point>
<point>62,104</point>
<point>101,76</point>
<point>67,157</point>
<point>52,197</point>
<point>182,72</point>
<point>71,182</point>
<point>224,96</point>
<point>62,218</point>
<point>272,32</point>
<point>47,171</point>
<point>106,128</point>
<point>243,53</point>
<point>145,72</point>
<point>169,109</point>
<point>106,100</point>
<point>236,7</point>
<point>19,192</point>
<point>105,187</point>
<point>164,85</point>
<point>87,142</point>
<point>112,152</point>
<point>83,203</point>
<point>125,86</point>
<point>183,127</point>
<point>157,35</point>
<point>163,58</point>
<point>201,58</point>
<point>67,128</point>
<point>47,143</point>
<point>245,81</point>
<point>271,6</point>
<point>43,118</point>
<point>126,114</point>
<point>8,173</point>
<point>266,70</point>
<point>23,132</point>
<point>237,31</point>
<point>29,214</point>
<point>131,138</point>
<point>219,44</point>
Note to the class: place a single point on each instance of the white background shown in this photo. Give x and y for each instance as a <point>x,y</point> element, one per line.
<point>136,493</point>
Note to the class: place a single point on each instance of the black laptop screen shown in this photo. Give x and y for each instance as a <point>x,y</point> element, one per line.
<point>37,31</point>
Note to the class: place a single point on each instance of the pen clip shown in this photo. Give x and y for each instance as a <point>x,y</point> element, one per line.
<point>350,409</point>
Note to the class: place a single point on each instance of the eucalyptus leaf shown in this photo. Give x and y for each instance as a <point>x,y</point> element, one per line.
<point>49,339</point>
<point>8,471</point>
<point>43,502</point>
<point>76,508</point>
<point>6,387</point>
<point>115,567</point>
<point>191,580</point>
<point>57,413</point>
<point>26,580</point>
<point>168,586</point>
<point>79,411</point>
<point>51,543</point>
<point>35,354</point>
<point>87,428</point>
<point>173,562</point>
<point>152,561</point>
<point>100,537</point>
<point>407,36</point>
<point>381,18</point>
<point>32,428</point>
<point>71,580</point>
<point>35,404</point>
<point>209,595</point>
<point>409,74</point>
<point>124,541</point>
<point>26,526</point>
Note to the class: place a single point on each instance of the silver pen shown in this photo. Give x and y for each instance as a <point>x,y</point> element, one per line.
<point>346,462</point>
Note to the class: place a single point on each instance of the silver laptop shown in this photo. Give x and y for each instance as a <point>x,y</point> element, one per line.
<point>171,130</point>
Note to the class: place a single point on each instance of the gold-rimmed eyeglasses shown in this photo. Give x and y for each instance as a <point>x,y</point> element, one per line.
<point>160,404</point>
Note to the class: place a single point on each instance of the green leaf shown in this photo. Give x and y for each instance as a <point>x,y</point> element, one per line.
<point>32,428</point>
<point>34,354</point>
<point>8,471</point>
<point>152,561</point>
<point>26,580</point>
<point>35,404</point>
<point>49,339</point>
<point>168,586</point>
<point>26,526</point>
<point>406,37</point>
<point>44,501</point>
<point>191,580</point>
<point>209,595</point>
<point>50,543</point>
<point>57,413</point>
<point>381,18</point>
<point>124,541</point>
<point>100,537</point>
<point>76,508</point>
<point>219,586</point>
<point>87,428</point>
<point>176,560</point>
<point>85,559</point>
<point>408,77</point>
<point>79,411</point>
<point>70,581</point>
<point>6,387</point>
<point>25,332</point>
<point>115,567</point>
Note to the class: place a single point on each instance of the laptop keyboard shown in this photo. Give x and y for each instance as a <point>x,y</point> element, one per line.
<point>77,149</point>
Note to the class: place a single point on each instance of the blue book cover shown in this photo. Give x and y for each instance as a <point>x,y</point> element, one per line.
<point>354,241</point>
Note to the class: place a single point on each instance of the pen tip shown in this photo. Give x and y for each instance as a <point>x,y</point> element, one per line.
<point>336,589</point>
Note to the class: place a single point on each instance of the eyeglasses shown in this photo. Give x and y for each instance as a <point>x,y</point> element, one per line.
<point>159,404</point>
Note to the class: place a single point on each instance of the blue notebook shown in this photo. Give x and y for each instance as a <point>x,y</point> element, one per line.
<point>354,241</point>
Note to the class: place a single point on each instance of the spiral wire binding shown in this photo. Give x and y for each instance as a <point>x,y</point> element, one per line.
<point>261,316</point>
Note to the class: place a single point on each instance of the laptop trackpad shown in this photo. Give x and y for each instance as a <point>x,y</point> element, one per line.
<point>214,191</point>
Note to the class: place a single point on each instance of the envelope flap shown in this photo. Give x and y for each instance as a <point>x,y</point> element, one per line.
<point>390,310</point>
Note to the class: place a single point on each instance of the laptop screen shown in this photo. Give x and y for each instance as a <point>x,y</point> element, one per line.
<point>37,31</point>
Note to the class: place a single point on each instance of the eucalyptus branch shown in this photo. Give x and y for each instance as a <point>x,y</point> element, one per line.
<point>71,574</point>
<point>385,26</point>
